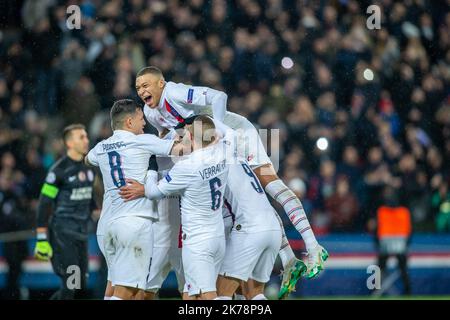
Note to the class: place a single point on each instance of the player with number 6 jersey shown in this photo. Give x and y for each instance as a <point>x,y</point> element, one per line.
<point>200,179</point>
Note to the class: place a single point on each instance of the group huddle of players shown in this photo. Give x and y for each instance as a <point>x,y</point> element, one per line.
<point>192,200</point>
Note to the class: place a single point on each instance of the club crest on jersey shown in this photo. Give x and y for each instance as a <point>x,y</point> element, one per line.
<point>190,95</point>
<point>81,176</point>
<point>51,178</point>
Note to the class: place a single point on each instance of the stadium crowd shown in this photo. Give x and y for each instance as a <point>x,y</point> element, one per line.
<point>393,129</point>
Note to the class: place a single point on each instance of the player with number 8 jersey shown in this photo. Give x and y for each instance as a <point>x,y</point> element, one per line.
<point>124,231</point>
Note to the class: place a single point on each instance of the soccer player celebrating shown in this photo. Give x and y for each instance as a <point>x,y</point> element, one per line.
<point>168,104</point>
<point>200,180</point>
<point>124,231</point>
<point>66,196</point>
<point>255,238</point>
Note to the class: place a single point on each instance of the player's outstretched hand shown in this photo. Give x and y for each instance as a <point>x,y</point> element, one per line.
<point>43,250</point>
<point>132,190</point>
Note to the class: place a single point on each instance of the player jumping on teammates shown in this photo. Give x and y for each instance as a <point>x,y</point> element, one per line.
<point>168,104</point>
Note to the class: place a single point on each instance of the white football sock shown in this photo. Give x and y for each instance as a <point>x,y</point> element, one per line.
<point>223,298</point>
<point>115,298</point>
<point>106,298</point>
<point>294,209</point>
<point>259,297</point>
<point>286,253</point>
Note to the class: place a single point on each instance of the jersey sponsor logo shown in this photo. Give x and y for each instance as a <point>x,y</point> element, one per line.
<point>84,193</point>
<point>72,178</point>
<point>90,175</point>
<point>51,177</point>
<point>168,178</point>
<point>81,176</point>
<point>190,95</point>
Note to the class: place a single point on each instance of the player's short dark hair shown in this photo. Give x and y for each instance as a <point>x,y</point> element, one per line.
<point>67,131</point>
<point>150,70</point>
<point>121,109</point>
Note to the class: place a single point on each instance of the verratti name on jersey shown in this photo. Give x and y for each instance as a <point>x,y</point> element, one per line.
<point>113,146</point>
<point>209,172</point>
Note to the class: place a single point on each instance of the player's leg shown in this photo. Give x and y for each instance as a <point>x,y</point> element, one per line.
<point>294,210</point>
<point>124,293</point>
<point>159,269</point>
<point>226,287</point>
<point>239,295</point>
<point>186,296</point>
<point>254,290</point>
<point>241,255</point>
<point>201,263</point>
<point>403,265</point>
<point>176,264</point>
<point>109,290</point>
<point>293,268</point>
<point>83,263</point>
<point>130,251</point>
<point>211,295</point>
<point>251,147</point>
<point>270,243</point>
<point>64,255</point>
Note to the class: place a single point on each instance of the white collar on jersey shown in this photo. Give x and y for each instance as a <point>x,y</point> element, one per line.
<point>163,97</point>
<point>120,132</point>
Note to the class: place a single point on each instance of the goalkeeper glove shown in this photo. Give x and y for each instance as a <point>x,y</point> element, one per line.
<point>43,250</point>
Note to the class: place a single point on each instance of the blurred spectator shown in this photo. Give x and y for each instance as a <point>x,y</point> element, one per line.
<point>342,207</point>
<point>380,97</point>
<point>441,207</point>
<point>13,218</point>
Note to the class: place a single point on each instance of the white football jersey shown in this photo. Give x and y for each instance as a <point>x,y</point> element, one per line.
<point>178,102</point>
<point>245,198</point>
<point>126,155</point>
<point>200,179</point>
